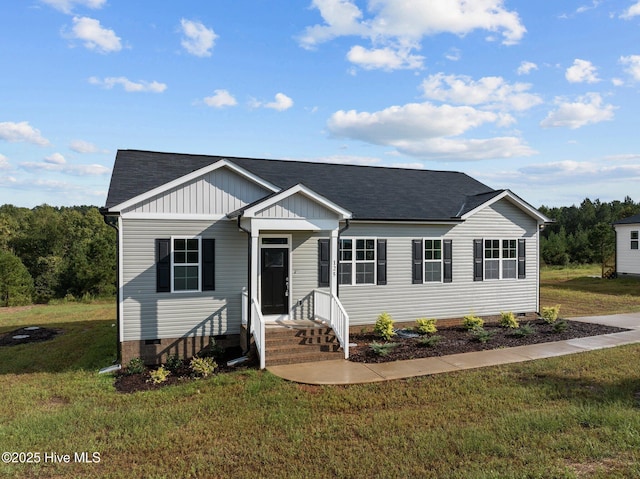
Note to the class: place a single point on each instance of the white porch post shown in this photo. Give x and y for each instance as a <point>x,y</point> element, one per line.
<point>333,274</point>
<point>255,261</point>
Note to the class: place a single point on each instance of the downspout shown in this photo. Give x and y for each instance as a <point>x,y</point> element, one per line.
<point>247,345</point>
<point>111,220</point>
<point>340,231</point>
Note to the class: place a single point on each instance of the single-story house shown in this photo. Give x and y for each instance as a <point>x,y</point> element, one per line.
<point>627,251</point>
<point>213,247</point>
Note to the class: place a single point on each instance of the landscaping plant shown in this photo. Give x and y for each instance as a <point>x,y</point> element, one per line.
<point>203,367</point>
<point>160,375</point>
<point>472,322</point>
<point>384,326</point>
<point>136,366</point>
<point>430,341</point>
<point>550,313</point>
<point>426,326</point>
<point>508,320</point>
<point>481,334</point>
<point>382,349</point>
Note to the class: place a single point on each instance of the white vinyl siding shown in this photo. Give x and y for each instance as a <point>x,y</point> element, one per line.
<point>297,206</point>
<point>627,256</point>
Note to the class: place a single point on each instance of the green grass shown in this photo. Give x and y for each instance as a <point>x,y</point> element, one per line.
<point>581,292</point>
<point>566,417</point>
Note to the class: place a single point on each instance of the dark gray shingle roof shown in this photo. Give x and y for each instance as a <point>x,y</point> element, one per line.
<point>629,221</point>
<point>373,193</point>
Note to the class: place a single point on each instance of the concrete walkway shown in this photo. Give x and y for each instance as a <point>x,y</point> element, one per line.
<point>347,372</point>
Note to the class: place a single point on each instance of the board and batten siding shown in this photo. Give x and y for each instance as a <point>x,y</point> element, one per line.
<point>627,259</point>
<point>151,315</point>
<point>407,302</point>
<point>215,193</point>
<point>297,206</point>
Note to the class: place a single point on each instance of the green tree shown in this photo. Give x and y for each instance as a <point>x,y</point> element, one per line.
<point>16,285</point>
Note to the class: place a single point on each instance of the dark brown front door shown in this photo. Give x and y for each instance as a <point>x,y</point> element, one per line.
<point>275,280</point>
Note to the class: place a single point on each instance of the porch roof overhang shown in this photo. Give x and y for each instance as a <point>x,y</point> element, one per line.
<point>256,215</point>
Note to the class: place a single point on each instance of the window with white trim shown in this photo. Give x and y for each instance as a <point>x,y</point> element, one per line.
<point>432,260</point>
<point>357,263</point>
<point>634,240</point>
<point>500,259</point>
<point>185,255</point>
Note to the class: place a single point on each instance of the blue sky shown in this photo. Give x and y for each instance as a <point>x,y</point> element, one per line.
<point>538,97</point>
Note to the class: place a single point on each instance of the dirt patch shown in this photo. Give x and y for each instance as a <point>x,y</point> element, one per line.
<point>29,334</point>
<point>455,340</point>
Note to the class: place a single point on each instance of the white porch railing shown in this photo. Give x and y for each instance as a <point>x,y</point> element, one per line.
<point>327,307</point>
<point>257,325</point>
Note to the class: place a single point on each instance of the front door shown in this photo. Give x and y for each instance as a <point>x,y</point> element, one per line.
<point>275,280</point>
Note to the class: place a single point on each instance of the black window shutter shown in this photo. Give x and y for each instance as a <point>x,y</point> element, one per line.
<point>447,254</point>
<point>522,264</point>
<point>208,264</point>
<point>418,265</point>
<point>381,261</point>
<point>478,273</point>
<point>163,265</point>
<point>324,260</point>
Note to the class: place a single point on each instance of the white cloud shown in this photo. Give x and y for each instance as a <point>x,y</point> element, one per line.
<point>130,86</point>
<point>425,130</point>
<point>22,131</point>
<point>526,67</point>
<point>66,6</point>
<point>81,146</point>
<point>198,40</point>
<point>95,37</point>
<point>491,92</point>
<point>384,58</point>
<point>55,159</point>
<point>454,54</point>
<point>4,162</point>
<point>282,102</point>
<point>585,171</point>
<point>632,11</point>
<point>588,109</point>
<point>221,99</point>
<point>582,71</point>
<point>400,26</point>
<point>632,63</point>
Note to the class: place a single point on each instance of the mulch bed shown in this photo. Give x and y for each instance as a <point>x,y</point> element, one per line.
<point>130,383</point>
<point>28,334</point>
<point>458,340</point>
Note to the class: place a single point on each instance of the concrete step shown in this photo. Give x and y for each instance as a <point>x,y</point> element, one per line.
<point>286,345</point>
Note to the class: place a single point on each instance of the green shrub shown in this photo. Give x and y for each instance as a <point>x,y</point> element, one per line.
<point>384,326</point>
<point>136,366</point>
<point>508,320</point>
<point>525,330</point>
<point>560,326</point>
<point>382,349</point>
<point>481,334</point>
<point>159,375</point>
<point>426,326</point>
<point>430,341</point>
<point>174,363</point>
<point>472,322</point>
<point>203,367</point>
<point>550,314</point>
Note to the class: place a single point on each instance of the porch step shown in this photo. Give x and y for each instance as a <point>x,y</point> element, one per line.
<point>300,344</point>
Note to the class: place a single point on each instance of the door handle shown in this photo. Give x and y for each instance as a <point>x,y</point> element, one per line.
<point>286,286</point>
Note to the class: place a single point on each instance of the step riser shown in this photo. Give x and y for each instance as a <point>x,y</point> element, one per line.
<point>290,346</point>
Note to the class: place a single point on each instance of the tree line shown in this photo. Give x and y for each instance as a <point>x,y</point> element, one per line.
<point>583,234</point>
<point>49,253</point>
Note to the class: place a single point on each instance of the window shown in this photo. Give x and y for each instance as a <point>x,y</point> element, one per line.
<point>500,259</point>
<point>634,240</point>
<point>186,264</point>
<point>357,261</point>
<point>432,260</point>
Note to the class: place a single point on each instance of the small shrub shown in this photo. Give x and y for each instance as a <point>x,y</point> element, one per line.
<point>159,375</point>
<point>472,322</point>
<point>524,330</point>
<point>481,334</point>
<point>384,326</point>
<point>426,326</point>
<point>174,363</point>
<point>203,367</point>
<point>560,326</point>
<point>508,320</point>
<point>213,350</point>
<point>382,349</point>
<point>429,341</point>
<point>136,366</point>
<point>550,314</point>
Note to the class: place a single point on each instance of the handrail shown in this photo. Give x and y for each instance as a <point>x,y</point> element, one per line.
<point>327,307</point>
